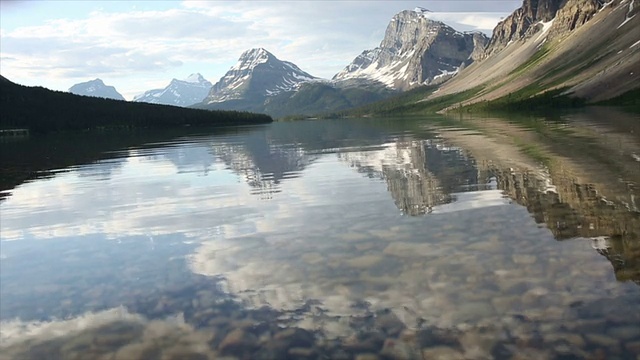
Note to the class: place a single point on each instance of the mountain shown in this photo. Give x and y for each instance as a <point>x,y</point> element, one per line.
<point>415,51</point>
<point>260,82</point>
<point>186,92</point>
<point>96,88</point>
<point>257,75</point>
<point>581,49</point>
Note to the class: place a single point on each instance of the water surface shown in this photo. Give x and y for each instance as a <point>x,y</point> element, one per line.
<point>400,238</point>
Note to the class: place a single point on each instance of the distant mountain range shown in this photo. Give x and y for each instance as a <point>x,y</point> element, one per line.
<point>185,92</point>
<point>260,82</point>
<point>584,48</point>
<point>96,88</point>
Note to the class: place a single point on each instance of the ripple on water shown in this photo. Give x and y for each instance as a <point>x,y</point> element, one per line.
<point>319,239</point>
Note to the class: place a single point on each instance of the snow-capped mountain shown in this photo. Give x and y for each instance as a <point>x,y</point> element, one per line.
<point>185,92</point>
<point>415,51</point>
<point>96,88</point>
<point>258,74</point>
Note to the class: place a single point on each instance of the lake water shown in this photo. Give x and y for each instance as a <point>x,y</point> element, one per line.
<point>408,238</point>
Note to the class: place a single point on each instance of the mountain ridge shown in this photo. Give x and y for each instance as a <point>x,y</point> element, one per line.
<point>257,74</point>
<point>589,49</point>
<point>189,91</point>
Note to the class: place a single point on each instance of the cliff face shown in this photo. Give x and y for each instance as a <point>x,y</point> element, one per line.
<point>573,14</point>
<point>414,51</point>
<point>533,15</point>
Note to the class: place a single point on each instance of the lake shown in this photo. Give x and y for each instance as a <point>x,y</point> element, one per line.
<point>399,238</point>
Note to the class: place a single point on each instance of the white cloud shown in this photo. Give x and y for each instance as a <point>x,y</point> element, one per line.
<point>133,48</point>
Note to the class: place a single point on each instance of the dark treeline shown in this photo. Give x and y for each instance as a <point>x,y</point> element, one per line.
<point>42,110</point>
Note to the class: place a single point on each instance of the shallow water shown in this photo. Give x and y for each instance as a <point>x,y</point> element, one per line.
<point>389,238</point>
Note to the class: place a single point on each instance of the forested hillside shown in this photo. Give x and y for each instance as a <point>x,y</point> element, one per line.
<point>42,110</point>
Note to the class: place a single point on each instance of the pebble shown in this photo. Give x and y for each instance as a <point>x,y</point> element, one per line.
<point>441,353</point>
<point>295,337</point>
<point>300,352</point>
<point>472,311</point>
<point>521,259</point>
<point>602,340</point>
<point>364,262</point>
<point>367,357</point>
<point>625,332</point>
<point>389,323</point>
<point>138,351</point>
<point>237,340</point>
<point>409,250</point>
<point>633,347</point>
<point>477,346</point>
<point>398,350</point>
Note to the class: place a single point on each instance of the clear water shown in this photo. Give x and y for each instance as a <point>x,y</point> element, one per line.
<point>407,238</point>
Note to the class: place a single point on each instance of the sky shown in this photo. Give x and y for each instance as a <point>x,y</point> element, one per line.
<point>142,45</point>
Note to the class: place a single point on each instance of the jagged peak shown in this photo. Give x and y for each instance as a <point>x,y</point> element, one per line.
<point>422,16</point>
<point>421,10</point>
<point>196,78</point>
<point>256,53</point>
<point>416,13</point>
<point>252,58</point>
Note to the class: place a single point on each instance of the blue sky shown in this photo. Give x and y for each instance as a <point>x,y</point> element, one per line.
<point>141,45</point>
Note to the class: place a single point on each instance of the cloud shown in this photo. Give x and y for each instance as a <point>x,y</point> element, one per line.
<point>130,49</point>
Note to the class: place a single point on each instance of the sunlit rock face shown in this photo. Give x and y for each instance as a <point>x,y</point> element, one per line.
<point>256,75</point>
<point>96,88</point>
<point>537,15</point>
<point>415,51</point>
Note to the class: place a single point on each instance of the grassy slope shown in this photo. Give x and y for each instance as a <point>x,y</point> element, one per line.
<point>563,71</point>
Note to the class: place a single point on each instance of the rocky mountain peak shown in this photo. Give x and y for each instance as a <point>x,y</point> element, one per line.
<point>537,15</point>
<point>252,58</point>
<point>96,88</point>
<point>257,74</point>
<point>415,50</point>
<point>196,78</point>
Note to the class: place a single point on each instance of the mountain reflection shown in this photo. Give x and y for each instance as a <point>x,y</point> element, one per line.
<point>262,164</point>
<point>582,193</point>
<point>424,174</point>
<point>420,174</point>
<point>572,210</point>
<point>445,228</point>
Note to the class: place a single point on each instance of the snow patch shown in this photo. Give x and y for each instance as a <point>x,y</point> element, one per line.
<point>194,78</point>
<point>601,243</point>
<point>626,20</point>
<point>636,43</point>
<point>446,73</point>
<point>606,5</point>
<point>545,28</point>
